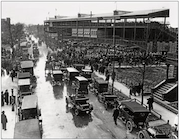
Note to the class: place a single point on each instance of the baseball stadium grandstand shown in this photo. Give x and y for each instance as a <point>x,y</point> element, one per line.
<point>146,30</point>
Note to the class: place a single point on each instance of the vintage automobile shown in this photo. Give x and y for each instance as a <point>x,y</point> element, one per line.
<point>48,67</point>
<point>29,108</point>
<point>72,73</point>
<point>57,76</point>
<point>158,129</point>
<point>79,103</point>
<point>63,69</point>
<point>27,66</point>
<point>24,87</point>
<point>133,114</point>
<point>79,67</point>
<point>109,100</point>
<point>81,85</point>
<point>36,53</point>
<point>87,74</point>
<point>100,85</point>
<point>28,129</point>
<point>24,75</point>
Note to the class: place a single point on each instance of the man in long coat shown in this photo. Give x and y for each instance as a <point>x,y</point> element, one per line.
<point>150,103</point>
<point>12,100</point>
<point>2,98</point>
<point>3,120</point>
<point>6,94</point>
<point>115,115</point>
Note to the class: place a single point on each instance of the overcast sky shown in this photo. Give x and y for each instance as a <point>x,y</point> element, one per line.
<point>37,12</point>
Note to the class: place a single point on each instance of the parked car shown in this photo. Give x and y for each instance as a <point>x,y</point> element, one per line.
<point>24,87</point>
<point>79,103</point>
<point>28,129</point>
<point>100,85</point>
<point>87,74</point>
<point>133,114</point>
<point>24,75</point>
<point>27,66</point>
<point>79,67</point>
<point>72,73</point>
<point>81,85</point>
<point>158,129</point>
<point>57,76</point>
<point>29,108</point>
<point>109,100</point>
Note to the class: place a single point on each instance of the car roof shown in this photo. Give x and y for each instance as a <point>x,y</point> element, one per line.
<point>81,78</point>
<point>57,72</point>
<point>81,99</point>
<point>24,75</point>
<point>78,64</point>
<point>29,101</point>
<point>134,106</point>
<point>110,96</point>
<point>23,44</point>
<point>27,129</point>
<point>86,70</point>
<point>72,69</point>
<point>96,78</point>
<point>23,82</point>
<point>27,64</point>
<point>101,81</point>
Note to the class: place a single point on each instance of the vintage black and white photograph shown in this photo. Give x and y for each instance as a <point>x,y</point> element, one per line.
<point>89,70</point>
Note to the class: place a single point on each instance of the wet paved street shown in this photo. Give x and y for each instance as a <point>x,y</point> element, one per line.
<point>60,121</point>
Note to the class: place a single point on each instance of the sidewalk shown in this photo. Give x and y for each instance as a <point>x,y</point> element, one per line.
<point>6,83</point>
<point>166,114</point>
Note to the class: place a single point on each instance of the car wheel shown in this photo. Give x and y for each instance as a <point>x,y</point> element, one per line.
<point>129,126</point>
<point>99,99</point>
<point>76,112</point>
<point>173,136</point>
<point>66,101</point>
<point>143,135</point>
<point>106,106</point>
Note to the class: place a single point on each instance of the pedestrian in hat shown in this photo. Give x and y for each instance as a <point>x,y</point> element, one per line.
<point>150,103</point>
<point>115,115</point>
<point>2,98</point>
<point>12,100</point>
<point>3,120</point>
<point>6,94</point>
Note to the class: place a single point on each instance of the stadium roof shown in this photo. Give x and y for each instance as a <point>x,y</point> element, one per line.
<point>148,13</point>
<point>118,15</point>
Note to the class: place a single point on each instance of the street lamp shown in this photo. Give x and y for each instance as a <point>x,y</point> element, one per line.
<point>144,65</point>
<point>143,75</point>
<point>113,73</point>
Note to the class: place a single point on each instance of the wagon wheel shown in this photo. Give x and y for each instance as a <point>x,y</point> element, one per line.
<point>129,126</point>
<point>76,112</point>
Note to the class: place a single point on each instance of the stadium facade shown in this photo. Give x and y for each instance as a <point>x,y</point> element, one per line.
<point>141,29</point>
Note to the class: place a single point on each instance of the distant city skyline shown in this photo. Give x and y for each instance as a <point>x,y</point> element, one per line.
<point>37,12</point>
